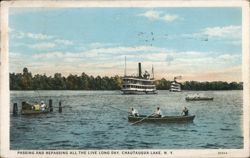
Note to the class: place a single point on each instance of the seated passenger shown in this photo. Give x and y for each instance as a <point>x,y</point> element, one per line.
<point>43,106</point>
<point>185,111</point>
<point>134,112</point>
<point>33,107</point>
<point>37,107</point>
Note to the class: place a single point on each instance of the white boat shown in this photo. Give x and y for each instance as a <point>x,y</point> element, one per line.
<point>198,97</point>
<point>175,86</point>
<point>141,84</point>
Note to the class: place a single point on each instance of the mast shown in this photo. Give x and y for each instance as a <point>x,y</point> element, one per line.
<point>153,71</point>
<point>125,70</point>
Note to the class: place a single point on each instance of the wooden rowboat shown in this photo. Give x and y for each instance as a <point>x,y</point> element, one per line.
<point>199,98</point>
<point>165,119</point>
<point>29,109</point>
<point>34,112</point>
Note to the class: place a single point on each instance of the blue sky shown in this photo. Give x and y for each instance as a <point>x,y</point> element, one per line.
<point>201,44</point>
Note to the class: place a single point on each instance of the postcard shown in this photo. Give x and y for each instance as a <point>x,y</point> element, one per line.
<point>124,79</point>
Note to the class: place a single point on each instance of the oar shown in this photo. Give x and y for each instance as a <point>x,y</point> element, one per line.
<point>142,119</point>
<point>117,108</point>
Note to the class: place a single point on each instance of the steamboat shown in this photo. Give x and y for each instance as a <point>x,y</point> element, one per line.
<point>175,86</point>
<point>141,84</point>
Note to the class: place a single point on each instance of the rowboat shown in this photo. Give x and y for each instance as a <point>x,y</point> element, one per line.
<point>199,98</point>
<point>34,112</point>
<point>33,109</point>
<point>165,119</point>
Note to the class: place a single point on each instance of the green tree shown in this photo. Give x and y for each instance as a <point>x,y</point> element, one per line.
<point>26,80</point>
<point>58,82</point>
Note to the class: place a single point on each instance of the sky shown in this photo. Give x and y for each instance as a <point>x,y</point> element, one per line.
<point>201,44</point>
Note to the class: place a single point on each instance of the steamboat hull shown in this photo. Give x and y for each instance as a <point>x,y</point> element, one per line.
<point>127,92</point>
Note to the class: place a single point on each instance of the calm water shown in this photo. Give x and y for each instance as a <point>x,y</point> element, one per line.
<point>89,121</point>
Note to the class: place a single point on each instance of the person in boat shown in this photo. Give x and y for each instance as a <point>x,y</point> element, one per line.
<point>134,112</point>
<point>43,106</point>
<point>158,112</point>
<point>185,111</point>
<point>197,95</point>
<point>36,107</point>
<point>33,107</point>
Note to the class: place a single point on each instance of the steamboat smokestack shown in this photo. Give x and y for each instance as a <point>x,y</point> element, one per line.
<point>139,66</point>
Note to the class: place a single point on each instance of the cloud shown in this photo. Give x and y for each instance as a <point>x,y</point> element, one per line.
<point>65,42</point>
<point>231,32</point>
<point>54,55</point>
<point>97,44</point>
<point>42,46</point>
<point>147,53</point>
<point>223,32</point>
<point>125,50</point>
<point>169,18</point>
<point>44,38</point>
<point>172,60</point>
<point>64,56</point>
<point>156,15</point>
<point>36,36</point>
<point>99,61</point>
<point>94,45</point>
<point>103,55</point>
<point>151,15</point>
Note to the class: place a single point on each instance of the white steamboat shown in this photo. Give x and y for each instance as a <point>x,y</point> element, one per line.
<point>175,86</point>
<point>141,84</point>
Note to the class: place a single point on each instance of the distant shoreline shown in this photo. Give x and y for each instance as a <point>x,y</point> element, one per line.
<point>27,81</point>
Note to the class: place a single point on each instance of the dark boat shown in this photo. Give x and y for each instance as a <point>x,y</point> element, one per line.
<point>29,109</point>
<point>33,112</point>
<point>199,98</point>
<point>165,119</point>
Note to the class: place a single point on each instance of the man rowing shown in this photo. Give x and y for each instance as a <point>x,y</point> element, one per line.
<point>157,113</point>
<point>184,111</point>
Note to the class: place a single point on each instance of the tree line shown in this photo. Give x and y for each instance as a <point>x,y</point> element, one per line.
<point>164,84</point>
<point>26,81</point>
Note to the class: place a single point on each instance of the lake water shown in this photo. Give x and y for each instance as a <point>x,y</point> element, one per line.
<point>90,120</point>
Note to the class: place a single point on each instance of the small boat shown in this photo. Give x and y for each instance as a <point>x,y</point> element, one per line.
<point>30,109</point>
<point>199,98</point>
<point>34,112</point>
<point>175,86</point>
<point>165,119</point>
